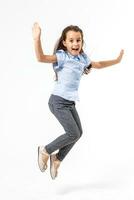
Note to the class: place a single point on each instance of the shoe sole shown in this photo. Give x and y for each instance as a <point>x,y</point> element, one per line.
<point>53,176</point>
<point>42,170</point>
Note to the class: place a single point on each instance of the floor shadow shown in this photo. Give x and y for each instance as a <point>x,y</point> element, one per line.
<point>87,186</point>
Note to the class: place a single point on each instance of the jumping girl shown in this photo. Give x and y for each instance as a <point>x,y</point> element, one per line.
<point>69,63</point>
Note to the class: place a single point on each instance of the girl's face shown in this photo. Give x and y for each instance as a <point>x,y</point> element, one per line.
<point>73,42</point>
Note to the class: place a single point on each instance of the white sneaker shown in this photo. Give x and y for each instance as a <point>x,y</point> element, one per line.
<point>41,157</point>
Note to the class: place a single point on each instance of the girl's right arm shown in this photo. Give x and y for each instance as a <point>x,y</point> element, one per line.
<point>41,57</point>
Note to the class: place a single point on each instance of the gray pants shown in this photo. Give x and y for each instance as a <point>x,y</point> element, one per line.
<point>66,113</point>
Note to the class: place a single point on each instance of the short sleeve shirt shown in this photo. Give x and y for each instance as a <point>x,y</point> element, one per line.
<point>69,69</point>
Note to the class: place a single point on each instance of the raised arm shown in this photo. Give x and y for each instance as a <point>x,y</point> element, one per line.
<point>107,63</point>
<point>41,57</point>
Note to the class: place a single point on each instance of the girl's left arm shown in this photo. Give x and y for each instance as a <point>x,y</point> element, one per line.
<point>107,63</point>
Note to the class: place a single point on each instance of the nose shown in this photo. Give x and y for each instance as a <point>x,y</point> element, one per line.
<point>75,43</point>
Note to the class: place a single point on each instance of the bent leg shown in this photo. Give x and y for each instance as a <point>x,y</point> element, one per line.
<point>66,119</point>
<point>65,150</point>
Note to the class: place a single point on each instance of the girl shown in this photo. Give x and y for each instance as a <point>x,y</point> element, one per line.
<point>69,63</point>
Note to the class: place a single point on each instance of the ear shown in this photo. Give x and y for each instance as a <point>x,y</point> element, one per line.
<point>64,43</point>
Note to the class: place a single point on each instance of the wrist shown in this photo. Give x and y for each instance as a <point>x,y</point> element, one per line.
<point>118,60</point>
<point>36,39</point>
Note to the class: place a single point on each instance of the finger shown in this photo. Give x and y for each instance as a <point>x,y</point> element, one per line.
<point>36,24</point>
<point>86,71</point>
<point>122,51</point>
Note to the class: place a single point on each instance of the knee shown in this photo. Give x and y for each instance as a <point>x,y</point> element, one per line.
<point>81,132</point>
<point>75,136</point>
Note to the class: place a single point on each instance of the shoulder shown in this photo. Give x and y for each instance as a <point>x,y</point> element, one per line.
<point>61,57</point>
<point>85,58</point>
<point>84,55</point>
<point>60,51</point>
<point>60,54</point>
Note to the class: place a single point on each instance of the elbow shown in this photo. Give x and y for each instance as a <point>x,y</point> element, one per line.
<point>42,58</point>
<point>39,59</point>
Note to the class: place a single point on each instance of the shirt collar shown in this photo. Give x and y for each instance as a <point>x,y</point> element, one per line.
<point>74,57</point>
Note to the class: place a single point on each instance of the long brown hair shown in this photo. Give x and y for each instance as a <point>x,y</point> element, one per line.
<point>59,44</point>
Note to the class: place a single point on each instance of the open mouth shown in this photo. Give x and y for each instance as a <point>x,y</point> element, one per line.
<point>75,49</point>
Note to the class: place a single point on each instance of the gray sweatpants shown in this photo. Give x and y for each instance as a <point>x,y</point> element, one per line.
<point>66,113</point>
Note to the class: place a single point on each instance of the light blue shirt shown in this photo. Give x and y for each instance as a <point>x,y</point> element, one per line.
<point>69,69</point>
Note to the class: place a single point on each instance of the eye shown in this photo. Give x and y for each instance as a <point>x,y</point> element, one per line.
<point>71,41</point>
<point>79,40</point>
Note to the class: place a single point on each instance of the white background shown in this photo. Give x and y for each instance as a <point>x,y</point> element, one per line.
<point>101,165</point>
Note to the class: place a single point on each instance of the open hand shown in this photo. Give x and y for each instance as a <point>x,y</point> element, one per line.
<point>119,58</point>
<point>36,30</point>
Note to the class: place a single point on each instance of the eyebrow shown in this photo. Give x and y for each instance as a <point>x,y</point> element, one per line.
<point>76,38</point>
